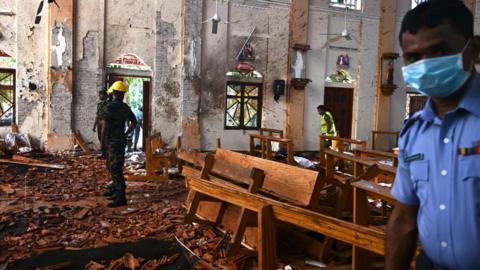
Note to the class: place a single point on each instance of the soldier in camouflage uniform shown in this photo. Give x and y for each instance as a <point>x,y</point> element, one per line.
<point>97,126</point>
<point>117,114</point>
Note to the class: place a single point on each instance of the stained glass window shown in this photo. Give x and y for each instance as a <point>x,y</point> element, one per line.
<point>243,105</point>
<point>7,97</point>
<point>351,4</point>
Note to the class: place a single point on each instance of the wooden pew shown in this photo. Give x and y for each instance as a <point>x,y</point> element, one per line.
<point>263,132</point>
<point>365,169</point>
<point>154,162</point>
<point>271,132</point>
<point>270,211</point>
<point>343,145</point>
<point>282,182</point>
<point>264,138</point>
<point>376,155</point>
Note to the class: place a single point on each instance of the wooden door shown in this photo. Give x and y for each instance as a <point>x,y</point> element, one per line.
<point>146,109</point>
<point>339,102</point>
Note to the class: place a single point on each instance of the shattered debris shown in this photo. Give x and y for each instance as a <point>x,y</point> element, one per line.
<point>43,210</point>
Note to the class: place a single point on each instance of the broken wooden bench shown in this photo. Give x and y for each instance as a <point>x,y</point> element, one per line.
<point>282,182</point>
<point>270,211</point>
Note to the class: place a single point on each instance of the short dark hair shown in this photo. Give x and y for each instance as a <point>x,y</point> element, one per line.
<point>118,94</point>
<point>436,12</point>
<point>321,107</point>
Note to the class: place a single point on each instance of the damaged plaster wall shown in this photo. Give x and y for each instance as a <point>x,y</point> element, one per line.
<point>101,37</point>
<point>8,39</point>
<point>130,32</point>
<point>89,65</point>
<point>32,70</point>
<point>191,88</point>
<point>366,82</point>
<point>166,96</point>
<point>316,71</point>
<point>270,43</point>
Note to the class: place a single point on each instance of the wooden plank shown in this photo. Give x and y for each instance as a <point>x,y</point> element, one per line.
<point>198,197</point>
<point>81,142</point>
<point>360,236</point>
<point>267,239</point>
<point>272,132</point>
<point>26,159</point>
<point>375,190</point>
<point>43,165</point>
<point>280,178</point>
<point>383,168</point>
<point>360,257</point>
<point>193,157</point>
<point>377,155</point>
<point>258,177</point>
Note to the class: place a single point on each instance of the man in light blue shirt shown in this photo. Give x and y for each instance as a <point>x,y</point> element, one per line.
<point>438,177</point>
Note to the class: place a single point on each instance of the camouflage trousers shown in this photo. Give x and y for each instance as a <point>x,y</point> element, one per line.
<point>99,135</point>
<point>115,162</point>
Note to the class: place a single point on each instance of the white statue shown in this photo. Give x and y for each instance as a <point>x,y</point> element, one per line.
<point>298,67</point>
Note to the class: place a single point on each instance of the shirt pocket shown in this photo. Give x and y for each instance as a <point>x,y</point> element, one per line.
<point>469,172</point>
<point>470,168</point>
<point>419,172</point>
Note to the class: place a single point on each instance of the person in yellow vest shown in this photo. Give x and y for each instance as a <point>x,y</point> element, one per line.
<point>327,124</point>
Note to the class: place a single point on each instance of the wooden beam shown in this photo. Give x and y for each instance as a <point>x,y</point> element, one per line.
<point>81,142</point>
<point>360,257</point>
<point>267,238</point>
<point>34,164</point>
<point>298,34</point>
<point>367,238</point>
<point>386,44</point>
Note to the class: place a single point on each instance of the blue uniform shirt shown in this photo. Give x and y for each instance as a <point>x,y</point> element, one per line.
<point>433,174</point>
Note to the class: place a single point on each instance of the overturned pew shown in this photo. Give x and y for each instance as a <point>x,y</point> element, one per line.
<point>208,182</point>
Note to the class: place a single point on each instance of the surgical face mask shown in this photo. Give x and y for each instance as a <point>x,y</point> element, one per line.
<point>437,77</point>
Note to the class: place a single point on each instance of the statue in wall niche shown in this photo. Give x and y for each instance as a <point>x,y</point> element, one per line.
<point>299,66</point>
<point>248,53</point>
<point>343,60</point>
<point>390,73</point>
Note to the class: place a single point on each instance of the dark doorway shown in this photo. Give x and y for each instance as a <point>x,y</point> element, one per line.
<point>339,102</point>
<point>137,98</point>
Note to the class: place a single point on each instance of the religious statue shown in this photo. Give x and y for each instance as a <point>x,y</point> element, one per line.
<point>389,73</point>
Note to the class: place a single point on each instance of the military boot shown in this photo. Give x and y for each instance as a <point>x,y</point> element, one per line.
<point>118,199</point>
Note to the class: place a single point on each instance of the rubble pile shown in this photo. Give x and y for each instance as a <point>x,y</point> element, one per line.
<point>43,209</point>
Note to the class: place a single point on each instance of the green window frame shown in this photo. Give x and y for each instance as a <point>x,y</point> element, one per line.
<point>7,97</point>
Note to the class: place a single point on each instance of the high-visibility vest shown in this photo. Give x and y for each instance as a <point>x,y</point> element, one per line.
<point>332,131</point>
